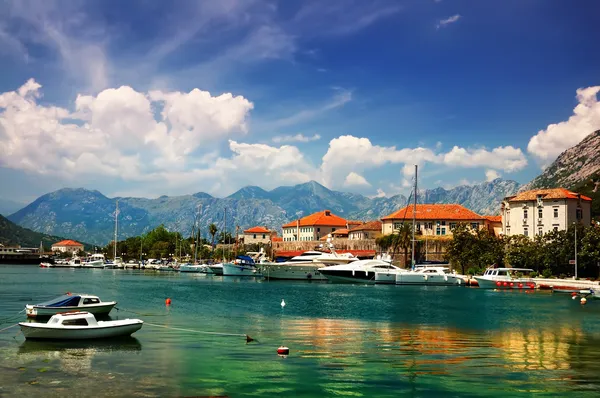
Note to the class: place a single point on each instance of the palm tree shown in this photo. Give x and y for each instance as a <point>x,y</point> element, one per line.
<point>403,239</point>
<point>212,230</point>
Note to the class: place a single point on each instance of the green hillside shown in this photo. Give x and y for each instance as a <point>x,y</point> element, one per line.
<point>12,234</point>
<point>591,187</point>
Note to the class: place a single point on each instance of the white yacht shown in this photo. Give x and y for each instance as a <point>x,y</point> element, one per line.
<point>430,275</point>
<point>241,266</point>
<point>96,260</point>
<point>362,271</point>
<point>217,269</point>
<point>506,278</point>
<point>191,267</point>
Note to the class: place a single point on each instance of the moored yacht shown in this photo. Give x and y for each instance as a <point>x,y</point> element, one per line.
<point>96,260</point>
<point>362,271</point>
<point>217,269</point>
<point>506,278</point>
<point>429,275</point>
<point>241,266</point>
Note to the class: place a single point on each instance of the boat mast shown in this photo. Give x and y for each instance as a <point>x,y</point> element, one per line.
<point>224,231</point>
<point>116,229</point>
<point>414,221</point>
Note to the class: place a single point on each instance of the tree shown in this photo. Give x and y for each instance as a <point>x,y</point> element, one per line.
<point>589,255</point>
<point>402,237</point>
<point>212,230</point>
<point>462,247</point>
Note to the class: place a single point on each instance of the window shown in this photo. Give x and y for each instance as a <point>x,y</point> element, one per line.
<point>443,230</point>
<point>452,226</point>
<point>540,232</point>
<point>579,213</point>
<point>332,229</point>
<point>254,236</point>
<point>418,226</point>
<point>540,213</point>
<point>507,231</point>
<point>318,229</point>
<point>555,228</point>
<point>75,322</point>
<point>525,214</point>
<point>555,212</point>
<point>429,225</point>
<point>525,231</point>
<point>475,225</point>
<point>264,236</point>
<point>91,301</point>
<point>438,230</point>
<point>397,225</point>
<point>443,222</point>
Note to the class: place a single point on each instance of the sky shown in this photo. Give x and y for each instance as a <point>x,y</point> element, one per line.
<point>150,98</point>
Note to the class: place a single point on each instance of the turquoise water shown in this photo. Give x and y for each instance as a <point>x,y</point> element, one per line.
<point>344,340</point>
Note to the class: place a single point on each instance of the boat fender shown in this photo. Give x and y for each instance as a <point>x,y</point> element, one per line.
<point>309,276</point>
<point>520,286</point>
<point>574,297</point>
<point>352,272</point>
<point>511,284</point>
<point>498,283</point>
<point>583,301</point>
<point>282,350</point>
<point>459,281</point>
<point>426,277</point>
<point>446,278</point>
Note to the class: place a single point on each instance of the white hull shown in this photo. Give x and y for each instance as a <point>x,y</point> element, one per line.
<point>385,278</point>
<point>504,283</point>
<point>93,264</point>
<point>418,278</point>
<point>239,270</point>
<point>103,330</point>
<point>306,271</point>
<point>102,309</point>
<point>190,268</point>
<point>216,269</point>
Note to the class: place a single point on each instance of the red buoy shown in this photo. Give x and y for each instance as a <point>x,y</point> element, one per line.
<point>520,286</point>
<point>283,350</point>
<point>168,301</point>
<point>505,283</point>
<point>511,284</point>
<point>573,294</point>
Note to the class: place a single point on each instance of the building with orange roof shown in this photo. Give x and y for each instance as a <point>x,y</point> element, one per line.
<point>313,227</point>
<point>368,230</point>
<point>257,235</point>
<point>539,211</point>
<point>67,246</point>
<point>432,219</point>
<point>494,224</point>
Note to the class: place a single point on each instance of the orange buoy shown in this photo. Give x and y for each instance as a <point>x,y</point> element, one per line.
<point>168,301</point>
<point>283,351</point>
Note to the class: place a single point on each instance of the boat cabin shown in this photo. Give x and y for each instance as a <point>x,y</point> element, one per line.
<point>78,318</point>
<point>71,300</point>
<point>509,272</point>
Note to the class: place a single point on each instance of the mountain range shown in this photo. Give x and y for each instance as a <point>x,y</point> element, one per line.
<point>89,215</point>
<point>12,234</point>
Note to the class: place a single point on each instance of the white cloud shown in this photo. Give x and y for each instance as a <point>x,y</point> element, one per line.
<point>450,20</point>
<point>506,158</point>
<point>296,138</point>
<point>547,144</point>
<point>380,194</point>
<point>491,175</point>
<point>355,179</point>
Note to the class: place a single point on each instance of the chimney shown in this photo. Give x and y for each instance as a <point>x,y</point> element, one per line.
<point>327,213</point>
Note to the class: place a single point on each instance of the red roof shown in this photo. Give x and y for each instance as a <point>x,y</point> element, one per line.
<point>368,226</point>
<point>257,230</point>
<point>493,218</point>
<point>67,242</point>
<point>434,212</point>
<point>341,231</point>
<point>276,239</point>
<point>555,193</point>
<point>322,218</point>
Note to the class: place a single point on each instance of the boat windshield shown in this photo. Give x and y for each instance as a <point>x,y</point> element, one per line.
<point>62,301</point>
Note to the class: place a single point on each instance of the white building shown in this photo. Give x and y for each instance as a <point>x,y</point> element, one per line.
<point>315,226</point>
<point>257,235</point>
<point>67,245</point>
<point>543,210</point>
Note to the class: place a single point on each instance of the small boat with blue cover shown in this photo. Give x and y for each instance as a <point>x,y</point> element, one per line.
<point>70,302</point>
<point>241,266</point>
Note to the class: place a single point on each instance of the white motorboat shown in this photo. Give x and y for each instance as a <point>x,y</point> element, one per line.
<point>362,271</point>
<point>241,266</point>
<point>117,262</point>
<point>46,265</point>
<point>191,267</point>
<point>79,326</point>
<point>70,302</point>
<point>306,265</point>
<point>75,262</point>
<point>506,278</point>
<point>429,275</point>
<point>217,269</point>
<point>96,260</point>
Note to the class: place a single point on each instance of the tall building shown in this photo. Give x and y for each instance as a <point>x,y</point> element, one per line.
<point>543,210</point>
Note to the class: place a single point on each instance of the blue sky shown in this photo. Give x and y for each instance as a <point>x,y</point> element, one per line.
<point>149,98</point>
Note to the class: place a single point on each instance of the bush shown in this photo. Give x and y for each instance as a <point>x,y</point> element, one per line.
<point>547,273</point>
<point>473,271</point>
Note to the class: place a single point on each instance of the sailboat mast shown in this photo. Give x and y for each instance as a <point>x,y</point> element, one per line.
<point>224,231</point>
<point>116,229</point>
<point>414,221</point>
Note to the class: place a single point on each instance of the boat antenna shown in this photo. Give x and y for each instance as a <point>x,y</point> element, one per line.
<point>414,221</point>
<point>116,229</point>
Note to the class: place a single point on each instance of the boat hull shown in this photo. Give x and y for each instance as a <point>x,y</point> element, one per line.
<point>349,276</point>
<point>385,278</point>
<point>409,278</point>
<point>517,283</point>
<point>216,269</point>
<point>35,331</point>
<point>42,311</point>
<point>294,272</point>
<point>239,270</point>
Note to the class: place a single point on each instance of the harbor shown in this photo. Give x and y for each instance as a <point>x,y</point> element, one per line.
<point>367,340</point>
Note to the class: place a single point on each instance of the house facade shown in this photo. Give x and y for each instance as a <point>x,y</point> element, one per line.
<point>313,227</point>
<point>257,235</point>
<point>368,230</point>
<point>494,224</point>
<point>540,211</point>
<point>67,246</point>
<point>432,219</point>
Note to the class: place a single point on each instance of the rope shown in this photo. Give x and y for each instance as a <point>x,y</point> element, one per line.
<point>248,338</point>
<point>138,313</point>
<point>10,318</point>
<point>12,326</point>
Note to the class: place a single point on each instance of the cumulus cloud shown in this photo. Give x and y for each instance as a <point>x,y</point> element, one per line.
<point>113,133</point>
<point>353,154</point>
<point>354,179</point>
<point>491,175</point>
<point>547,144</point>
<point>296,138</point>
<point>450,20</point>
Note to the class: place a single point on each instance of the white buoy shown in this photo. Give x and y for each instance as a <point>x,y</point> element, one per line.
<point>583,301</point>
<point>574,297</point>
<point>282,303</point>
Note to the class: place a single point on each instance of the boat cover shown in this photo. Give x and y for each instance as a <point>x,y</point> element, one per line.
<point>62,301</point>
<point>245,260</point>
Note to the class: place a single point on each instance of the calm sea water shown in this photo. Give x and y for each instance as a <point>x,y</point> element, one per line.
<point>345,340</point>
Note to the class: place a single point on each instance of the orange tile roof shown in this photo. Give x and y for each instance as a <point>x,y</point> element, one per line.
<point>67,242</point>
<point>555,193</point>
<point>368,226</point>
<point>354,222</point>
<point>257,230</point>
<point>434,212</point>
<point>493,218</point>
<point>277,239</point>
<point>357,253</point>
<point>341,231</point>
<point>322,218</point>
